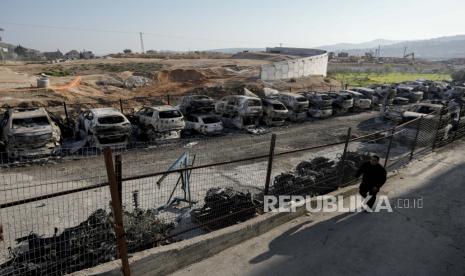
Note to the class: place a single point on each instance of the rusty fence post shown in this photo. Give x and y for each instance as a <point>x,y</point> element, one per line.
<point>415,142</point>
<point>119,177</point>
<point>117,212</point>
<point>344,154</point>
<point>437,129</point>
<point>66,113</point>
<point>270,164</point>
<point>168,99</point>
<point>458,123</point>
<point>121,105</point>
<point>393,130</point>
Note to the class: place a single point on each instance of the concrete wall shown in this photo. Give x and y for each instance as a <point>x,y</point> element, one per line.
<point>296,68</point>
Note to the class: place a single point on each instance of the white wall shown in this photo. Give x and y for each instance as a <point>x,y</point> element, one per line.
<point>295,68</point>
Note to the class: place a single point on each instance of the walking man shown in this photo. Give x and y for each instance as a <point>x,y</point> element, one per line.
<point>374,176</point>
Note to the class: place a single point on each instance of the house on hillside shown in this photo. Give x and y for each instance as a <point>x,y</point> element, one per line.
<point>73,54</point>
<point>53,55</point>
<point>87,55</point>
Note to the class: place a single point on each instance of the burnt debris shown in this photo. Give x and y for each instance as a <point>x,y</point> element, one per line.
<point>319,175</point>
<point>90,243</point>
<point>224,207</point>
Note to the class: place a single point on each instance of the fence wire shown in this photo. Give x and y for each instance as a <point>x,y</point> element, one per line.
<point>57,219</point>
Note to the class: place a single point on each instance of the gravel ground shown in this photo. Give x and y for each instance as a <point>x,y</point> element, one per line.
<point>44,216</point>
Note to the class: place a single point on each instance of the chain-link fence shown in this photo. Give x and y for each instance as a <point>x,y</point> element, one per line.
<point>60,219</point>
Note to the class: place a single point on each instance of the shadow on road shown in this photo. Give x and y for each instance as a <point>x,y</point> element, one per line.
<point>408,241</point>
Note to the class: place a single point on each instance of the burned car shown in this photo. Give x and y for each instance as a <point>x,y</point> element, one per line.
<point>196,104</point>
<point>342,102</point>
<point>409,92</point>
<point>434,116</point>
<point>320,105</point>
<point>361,102</point>
<point>274,112</point>
<point>29,132</point>
<point>204,123</point>
<point>160,122</point>
<point>103,127</point>
<point>370,94</point>
<point>239,111</point>
<point>296,104</point>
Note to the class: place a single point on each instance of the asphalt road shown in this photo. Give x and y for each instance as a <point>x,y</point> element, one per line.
<point>409,241</point>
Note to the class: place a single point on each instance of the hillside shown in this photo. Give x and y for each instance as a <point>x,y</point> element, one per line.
<point>435,48</point>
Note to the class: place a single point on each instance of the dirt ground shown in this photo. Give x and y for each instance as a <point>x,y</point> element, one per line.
<point>80,171</point>
<point>167,76</point>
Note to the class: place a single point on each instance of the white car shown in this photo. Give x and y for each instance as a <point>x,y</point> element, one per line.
<point>163,121</point>
<point>204,123</point>
<point>104,127</point>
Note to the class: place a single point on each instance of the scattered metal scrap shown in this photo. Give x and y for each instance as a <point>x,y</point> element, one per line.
<point>90,243</point>
<point>224,207</point>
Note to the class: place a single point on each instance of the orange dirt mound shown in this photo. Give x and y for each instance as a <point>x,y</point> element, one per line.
<point>180,76</point>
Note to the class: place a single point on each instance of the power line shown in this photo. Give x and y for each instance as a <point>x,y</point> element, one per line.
<point>168,36</point>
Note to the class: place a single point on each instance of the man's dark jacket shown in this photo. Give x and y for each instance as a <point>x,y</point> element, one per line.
<point>373,175</point>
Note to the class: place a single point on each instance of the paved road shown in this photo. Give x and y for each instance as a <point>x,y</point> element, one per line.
<point>414,241</point>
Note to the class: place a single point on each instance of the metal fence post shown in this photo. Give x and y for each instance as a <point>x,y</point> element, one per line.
<point>168,99</point>
<point>66,113</point>
<point>389,146</point>
<point>344,154</point>
<point>121,105</point>
<point>119,177</point>
<point>117,211</point>
<point>458,122</point>
<point>270,164</point>
<point>437,129</point>
<point>414,145</point>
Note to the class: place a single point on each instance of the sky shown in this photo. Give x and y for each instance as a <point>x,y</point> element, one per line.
<point>106,26</point>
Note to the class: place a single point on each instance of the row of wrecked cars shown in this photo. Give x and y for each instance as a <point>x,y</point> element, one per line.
<point>30,132</point>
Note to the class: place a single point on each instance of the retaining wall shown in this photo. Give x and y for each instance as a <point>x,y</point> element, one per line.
<point>314,65</point>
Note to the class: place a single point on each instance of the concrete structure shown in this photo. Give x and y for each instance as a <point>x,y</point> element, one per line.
<point>314,62</point>
<point>73,54</point>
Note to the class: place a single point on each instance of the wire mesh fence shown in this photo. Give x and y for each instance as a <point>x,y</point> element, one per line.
<point>57,220</point>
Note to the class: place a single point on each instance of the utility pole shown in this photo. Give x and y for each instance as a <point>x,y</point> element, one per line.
<point>142,43</point>
<point>1,49</point>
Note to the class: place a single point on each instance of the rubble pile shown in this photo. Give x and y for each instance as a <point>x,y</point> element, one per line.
<point>318,176</point>
<point>136,81</point>
<point>90,243</point>
<point>224,207</point>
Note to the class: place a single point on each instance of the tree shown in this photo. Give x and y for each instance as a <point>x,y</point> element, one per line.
<point>459,75</point>
<point>20,50</point>
<point>127,51</point>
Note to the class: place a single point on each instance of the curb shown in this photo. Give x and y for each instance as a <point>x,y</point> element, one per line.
<point>170,258</point>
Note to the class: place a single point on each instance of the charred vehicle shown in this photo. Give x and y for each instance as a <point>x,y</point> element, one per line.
<point>160,122</point>
<point>433,117</point>
<point>320,105</point>
<point>342,102</point>
<point>204,123</point>
<point>409,92</point>
<point>196,104</point>
<point>274,112</point>
<point>29,132</point>
<point>296,104</point>
<point>103,127</point>
<point>239,111</point>
<point>361,102</point>
<point>370,94</point>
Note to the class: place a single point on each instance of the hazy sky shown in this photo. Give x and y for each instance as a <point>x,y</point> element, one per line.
<point>209,24</point>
